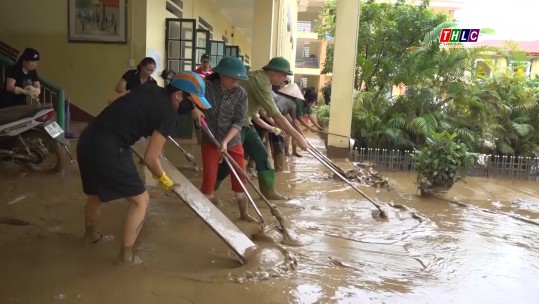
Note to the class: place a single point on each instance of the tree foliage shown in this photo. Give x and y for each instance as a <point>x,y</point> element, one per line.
<point>470,92</point>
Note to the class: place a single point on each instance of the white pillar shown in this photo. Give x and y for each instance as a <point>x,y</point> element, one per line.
<point>263,39</point>
<point>344,66</point>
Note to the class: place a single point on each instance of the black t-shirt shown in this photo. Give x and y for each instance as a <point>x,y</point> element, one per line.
<point>132,79</point>
<point>22,80</point>
<point>137,114</point>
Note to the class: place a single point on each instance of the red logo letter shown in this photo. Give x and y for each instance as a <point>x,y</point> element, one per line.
<point>444,35</point>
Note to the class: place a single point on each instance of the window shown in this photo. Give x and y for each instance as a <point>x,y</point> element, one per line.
<point>217,51</point>
<point>304,82</point>
<point>175,7</point>
<point>524,66</point>
<point>305,52</point>
<point>247,60</point>
<point>202,45</point>
<point>482,68</point>
<point>179,44</point>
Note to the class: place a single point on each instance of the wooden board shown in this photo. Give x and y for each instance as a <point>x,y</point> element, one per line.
<point>207,211</point>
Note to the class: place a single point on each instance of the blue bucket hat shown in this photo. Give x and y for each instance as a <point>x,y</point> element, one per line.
<point>191,83</point>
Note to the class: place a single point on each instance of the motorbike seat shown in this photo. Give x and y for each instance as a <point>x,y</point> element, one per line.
<point>14,113</point>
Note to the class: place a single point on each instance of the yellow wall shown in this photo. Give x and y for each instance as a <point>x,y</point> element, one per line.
<point>221,26</point>
<point>535,67</point>
<point>285,48</point>
<point>87,71</point>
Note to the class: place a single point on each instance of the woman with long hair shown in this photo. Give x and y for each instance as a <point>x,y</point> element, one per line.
<point>136,77</point>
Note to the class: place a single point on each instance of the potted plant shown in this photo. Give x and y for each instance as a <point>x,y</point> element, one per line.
<point>442,162</point>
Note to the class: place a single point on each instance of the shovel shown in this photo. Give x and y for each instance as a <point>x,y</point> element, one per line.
<point>383,214</point>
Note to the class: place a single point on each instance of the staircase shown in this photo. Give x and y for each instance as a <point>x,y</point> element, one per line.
<point>66,113</point>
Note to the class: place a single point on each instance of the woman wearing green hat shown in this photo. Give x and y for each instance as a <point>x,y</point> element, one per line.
<point>259,93</point>
<point>225,120</point>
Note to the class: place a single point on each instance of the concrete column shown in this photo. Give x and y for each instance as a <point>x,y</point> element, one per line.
<point>344,66</point>
<point>263,38</point>
<point>277,28</point>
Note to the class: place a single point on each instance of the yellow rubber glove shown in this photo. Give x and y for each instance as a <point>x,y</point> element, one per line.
<point>165,182</point>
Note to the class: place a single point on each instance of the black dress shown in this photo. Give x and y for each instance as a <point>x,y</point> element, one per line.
<point>103,151</point>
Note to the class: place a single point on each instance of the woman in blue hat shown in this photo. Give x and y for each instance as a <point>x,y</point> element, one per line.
<point>22,80</point>
<point>105,160</point>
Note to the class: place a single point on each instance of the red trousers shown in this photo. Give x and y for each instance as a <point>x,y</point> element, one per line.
<point>210,164</point>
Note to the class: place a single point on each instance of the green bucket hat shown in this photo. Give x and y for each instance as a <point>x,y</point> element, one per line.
<point>231,67</point>
<point>279,64</point>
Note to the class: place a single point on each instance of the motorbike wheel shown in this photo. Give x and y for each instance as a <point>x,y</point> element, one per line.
<point>50,155</point>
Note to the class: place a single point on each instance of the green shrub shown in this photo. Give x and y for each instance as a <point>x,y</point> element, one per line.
<point>442,161</point>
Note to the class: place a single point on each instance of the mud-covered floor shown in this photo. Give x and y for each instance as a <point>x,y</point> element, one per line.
<point>450,254</point>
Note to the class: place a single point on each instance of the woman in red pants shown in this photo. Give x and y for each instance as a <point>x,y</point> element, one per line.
<point>225,120</point>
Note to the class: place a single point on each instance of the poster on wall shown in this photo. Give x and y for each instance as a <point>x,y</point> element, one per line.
<point>101,21</point>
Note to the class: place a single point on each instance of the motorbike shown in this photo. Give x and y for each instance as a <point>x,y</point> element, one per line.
<point>30,137</point>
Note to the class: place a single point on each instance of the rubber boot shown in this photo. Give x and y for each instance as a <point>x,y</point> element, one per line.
<point>266,182</point>
<point>278,161</point>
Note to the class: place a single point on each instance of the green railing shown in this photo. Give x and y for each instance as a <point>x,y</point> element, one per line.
<point>49,92</point>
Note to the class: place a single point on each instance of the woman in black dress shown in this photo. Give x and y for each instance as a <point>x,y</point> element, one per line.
<point>104,156</point>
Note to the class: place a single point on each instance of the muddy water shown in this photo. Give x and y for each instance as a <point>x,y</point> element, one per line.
<point>475,254</point>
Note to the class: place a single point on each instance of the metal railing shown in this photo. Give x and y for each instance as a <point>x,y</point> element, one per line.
<point>524,168</point>
<point>308,63</point>
<point>50,93</point>
<point>304,26</point>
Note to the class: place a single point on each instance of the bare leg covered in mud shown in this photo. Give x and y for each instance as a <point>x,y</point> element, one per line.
<point>215,201</point>
<point>92,212</point>
<point>133,223</point>
<point>243,205</point>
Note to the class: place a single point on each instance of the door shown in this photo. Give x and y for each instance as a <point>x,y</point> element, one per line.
<point>202,45</point>
<point>180,56</point>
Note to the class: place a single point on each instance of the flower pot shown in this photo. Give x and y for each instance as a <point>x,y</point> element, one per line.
<point>433,191</point>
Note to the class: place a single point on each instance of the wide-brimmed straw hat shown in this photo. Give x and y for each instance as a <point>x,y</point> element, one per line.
<point>292,90</point>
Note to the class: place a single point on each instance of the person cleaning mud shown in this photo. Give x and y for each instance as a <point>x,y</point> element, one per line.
<point>286,100</point>
<point>303,113</point>
<point>259,93</point>
<point>225,120</point>
<point>284,97</point>
<point>104,154</point>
